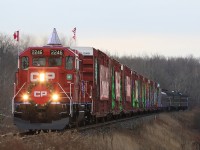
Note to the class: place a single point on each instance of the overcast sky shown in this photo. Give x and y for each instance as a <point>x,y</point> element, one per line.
<point>123,27</point>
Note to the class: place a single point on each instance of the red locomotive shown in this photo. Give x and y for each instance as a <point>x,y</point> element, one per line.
<point>58,86</point>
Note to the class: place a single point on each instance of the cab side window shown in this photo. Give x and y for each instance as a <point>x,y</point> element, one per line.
<point>24,63</point>
<point>69,62</point>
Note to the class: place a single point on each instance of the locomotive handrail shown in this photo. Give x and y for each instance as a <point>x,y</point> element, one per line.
<point>15,96</point>
<point>64,91</point>
<point>70,98</point>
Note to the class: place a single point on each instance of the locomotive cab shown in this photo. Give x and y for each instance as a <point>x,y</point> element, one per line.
<point>46,88</point>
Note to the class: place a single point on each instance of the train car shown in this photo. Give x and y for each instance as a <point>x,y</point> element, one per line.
<point>183,101</point>
<point>157,96</point>
<point>97,78</point>
<point>135,100</point>
<point>140,92</point>
<point>171,100</point>
<point>151,89</point>
<point>117,70</point>
<point>127,90</point>
<point>147,94</point>
<point>47,93</point>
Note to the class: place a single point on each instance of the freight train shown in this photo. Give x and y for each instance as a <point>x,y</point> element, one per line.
<point>58,86</point>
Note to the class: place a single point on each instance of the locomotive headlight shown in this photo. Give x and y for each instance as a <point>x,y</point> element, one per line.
<point>42,77</point>
<point>25,97</point>
<point>55,97</point>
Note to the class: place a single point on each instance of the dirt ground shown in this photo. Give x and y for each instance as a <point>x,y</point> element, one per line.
<point>166,131</point>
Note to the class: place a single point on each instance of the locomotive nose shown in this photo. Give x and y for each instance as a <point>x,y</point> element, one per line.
<point>42,84</point>
<point>40,94</point>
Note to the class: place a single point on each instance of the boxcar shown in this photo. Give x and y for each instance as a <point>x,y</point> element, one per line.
<point>127,90</point>
<point>96,84</point>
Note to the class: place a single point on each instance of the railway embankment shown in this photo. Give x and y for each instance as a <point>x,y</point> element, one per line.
<point>164,131</point>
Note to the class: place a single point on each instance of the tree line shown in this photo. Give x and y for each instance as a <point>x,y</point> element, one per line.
<point>173,73</point>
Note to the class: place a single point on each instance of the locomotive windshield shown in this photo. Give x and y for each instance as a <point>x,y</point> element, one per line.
<point>40,61</point>
<point>52,61</point>
<point>55,61</point>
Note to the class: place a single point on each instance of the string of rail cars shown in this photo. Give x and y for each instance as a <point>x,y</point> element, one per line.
<point>59,86</point>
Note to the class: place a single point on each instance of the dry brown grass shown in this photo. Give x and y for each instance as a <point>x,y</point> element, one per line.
<point>169,131</point>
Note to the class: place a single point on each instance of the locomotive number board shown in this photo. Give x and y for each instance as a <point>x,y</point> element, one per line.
<point>56,52</point>
<point>37,52</point>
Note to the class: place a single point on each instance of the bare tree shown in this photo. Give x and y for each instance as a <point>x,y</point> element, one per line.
<point>8,66</point>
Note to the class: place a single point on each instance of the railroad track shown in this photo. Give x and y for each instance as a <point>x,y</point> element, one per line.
<point>104,124</point>
<point>24,135</point>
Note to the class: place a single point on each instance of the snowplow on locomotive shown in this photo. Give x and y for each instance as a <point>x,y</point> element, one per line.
<point>58,86</point>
